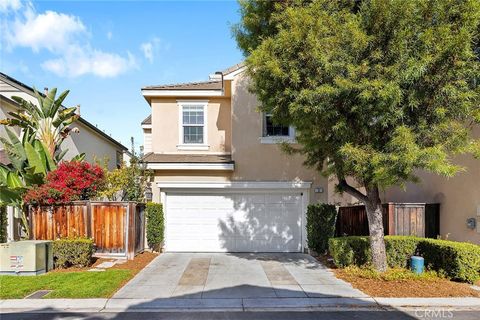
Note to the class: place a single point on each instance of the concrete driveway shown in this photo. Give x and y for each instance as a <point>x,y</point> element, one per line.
<point>230,275</point>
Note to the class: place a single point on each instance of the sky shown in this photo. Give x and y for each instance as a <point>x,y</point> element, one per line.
<point>104,52</point>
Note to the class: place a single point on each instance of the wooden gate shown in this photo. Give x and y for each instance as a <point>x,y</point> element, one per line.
<point>407,219</point>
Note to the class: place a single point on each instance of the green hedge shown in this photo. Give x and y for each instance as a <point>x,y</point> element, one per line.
<point>321,220</point>
<point>3,224</point>
<point>73,252</point>
<point>459,261</point>
<point>155,225</point>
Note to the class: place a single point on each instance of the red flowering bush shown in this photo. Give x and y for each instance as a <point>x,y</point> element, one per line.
<point>72,180</point>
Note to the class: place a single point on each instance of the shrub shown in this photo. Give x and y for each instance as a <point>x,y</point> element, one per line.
<point>456,260</point>
<point>321,220</point>
<point>155,227</point>
<point>3,224</point>
<point>73,252</point>
<point>72,180</point>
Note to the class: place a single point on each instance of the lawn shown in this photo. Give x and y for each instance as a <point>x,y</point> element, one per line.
<point>82,284</point>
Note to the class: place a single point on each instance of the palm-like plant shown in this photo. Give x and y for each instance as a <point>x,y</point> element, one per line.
<point>48,121</point>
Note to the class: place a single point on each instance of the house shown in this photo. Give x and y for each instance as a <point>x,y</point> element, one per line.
<point>95,143</point>
<point>219,171</point>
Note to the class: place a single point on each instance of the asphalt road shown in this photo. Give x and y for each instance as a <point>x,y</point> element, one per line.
<point>327,315</point>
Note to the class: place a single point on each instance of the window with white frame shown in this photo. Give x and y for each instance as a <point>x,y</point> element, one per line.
<point>193,123</point>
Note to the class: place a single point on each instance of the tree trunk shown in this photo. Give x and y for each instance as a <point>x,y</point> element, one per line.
<point>373,206</point>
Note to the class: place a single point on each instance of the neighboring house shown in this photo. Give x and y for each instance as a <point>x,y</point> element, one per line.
<point>459,198</point>
<point>219,171</point>
<point>96,144</point>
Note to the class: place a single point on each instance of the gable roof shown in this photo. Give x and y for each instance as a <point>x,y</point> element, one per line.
<point>233,68</point>
<point>201,85</point>
<point>147,120</point>
<point>30,91</point>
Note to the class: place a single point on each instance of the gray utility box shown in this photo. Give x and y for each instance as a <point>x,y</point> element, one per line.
<point>29,257</point>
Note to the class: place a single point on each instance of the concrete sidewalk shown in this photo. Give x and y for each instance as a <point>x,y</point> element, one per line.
<point>248,304</point>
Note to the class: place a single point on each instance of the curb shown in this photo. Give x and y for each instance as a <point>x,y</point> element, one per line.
<point>235,305</point>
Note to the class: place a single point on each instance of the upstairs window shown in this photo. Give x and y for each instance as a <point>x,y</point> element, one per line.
<point>271,129</point>
<point>193,124</point>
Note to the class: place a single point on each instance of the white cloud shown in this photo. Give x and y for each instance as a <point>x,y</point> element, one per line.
<point>10,5</point>
<point>151,48</point>
<point>66,37</point>
<point>80,61</point>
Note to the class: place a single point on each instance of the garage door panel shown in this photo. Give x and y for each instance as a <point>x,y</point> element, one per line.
<point>242,222</point>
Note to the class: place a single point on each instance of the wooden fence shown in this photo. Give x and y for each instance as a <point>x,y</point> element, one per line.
<point>117,228</point>
<point>409,219</point>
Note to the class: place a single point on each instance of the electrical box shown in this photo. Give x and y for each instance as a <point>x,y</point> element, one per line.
<point>29,257</point>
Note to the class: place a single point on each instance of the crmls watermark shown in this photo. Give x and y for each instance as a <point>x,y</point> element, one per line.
<point>437,313</point>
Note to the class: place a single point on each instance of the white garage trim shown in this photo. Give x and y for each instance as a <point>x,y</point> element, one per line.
<point>236,185</point>
<point>239,187</point>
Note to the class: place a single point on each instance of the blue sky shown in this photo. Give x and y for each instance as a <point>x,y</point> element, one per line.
<point>105,51</point>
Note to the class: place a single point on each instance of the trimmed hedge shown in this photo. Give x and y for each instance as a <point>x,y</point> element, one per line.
<point>459,261</point>
<point>155,225</point>
<point>72,252</point>
<point>321,220</point>
<point>3,224</point>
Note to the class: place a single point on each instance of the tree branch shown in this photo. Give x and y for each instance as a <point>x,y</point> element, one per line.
<point>344,186</point>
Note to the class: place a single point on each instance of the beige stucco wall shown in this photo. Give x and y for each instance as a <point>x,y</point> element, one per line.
<point>459,198</point>
<point>255,161</point>
<point>166,122</point>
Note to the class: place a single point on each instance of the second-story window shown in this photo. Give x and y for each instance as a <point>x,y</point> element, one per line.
<point>193,123</point>
<point>271,129</point>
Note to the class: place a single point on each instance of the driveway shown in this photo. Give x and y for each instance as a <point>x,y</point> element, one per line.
<point>231,275</point>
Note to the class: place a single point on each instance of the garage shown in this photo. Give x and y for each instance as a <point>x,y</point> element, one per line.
<point>233,220</point>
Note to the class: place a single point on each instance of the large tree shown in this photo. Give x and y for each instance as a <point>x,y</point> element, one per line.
<point>377,89</point>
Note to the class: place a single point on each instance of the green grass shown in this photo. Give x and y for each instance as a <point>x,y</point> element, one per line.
<point>83,284</point>
<point>392,274</point>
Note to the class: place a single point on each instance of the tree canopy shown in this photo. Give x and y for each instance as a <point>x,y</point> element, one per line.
<point>376,89</point>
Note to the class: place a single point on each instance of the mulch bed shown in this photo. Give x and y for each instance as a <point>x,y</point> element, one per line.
<point>431,288</point>
<point>408,288</point>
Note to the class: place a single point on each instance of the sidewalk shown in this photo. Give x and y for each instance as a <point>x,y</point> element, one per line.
<point>265,304</point>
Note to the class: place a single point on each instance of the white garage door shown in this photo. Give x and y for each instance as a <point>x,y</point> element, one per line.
<point>233,222</point>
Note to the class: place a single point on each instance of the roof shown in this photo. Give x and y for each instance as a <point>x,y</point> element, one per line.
<point>147,120</point>
<point>203,85</point>
<point>233,68</point>
<point>81,120</point>
<point>186,158</point>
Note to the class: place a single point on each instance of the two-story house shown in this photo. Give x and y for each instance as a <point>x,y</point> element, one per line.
<point>219,171</point>
<point>226,185</point>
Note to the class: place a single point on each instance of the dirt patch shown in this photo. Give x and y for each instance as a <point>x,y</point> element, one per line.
<point>431,288</point>
<point>138,263</point>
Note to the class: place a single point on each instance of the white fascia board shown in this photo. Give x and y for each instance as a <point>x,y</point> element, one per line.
<point>182,93</point>
<point>231,75</point>
<point>191,166</point>
<point>146,126</point>
<point>301,185</point>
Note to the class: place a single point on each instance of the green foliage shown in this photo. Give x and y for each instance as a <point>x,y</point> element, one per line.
<point>3,224</point>
<point>459,261</point>
<point>73,252</point>
<point>393,274</point>
<point>361,83</point>
<point>83,284</point>
<point>45,120</point>
<point>456,260</point>
<point>155,225</point>
<point>321,220</point>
